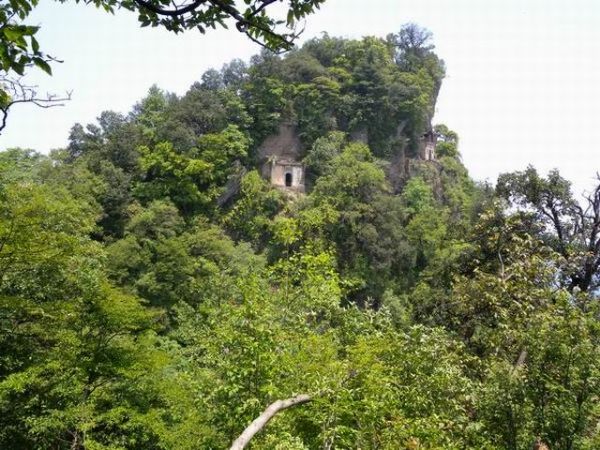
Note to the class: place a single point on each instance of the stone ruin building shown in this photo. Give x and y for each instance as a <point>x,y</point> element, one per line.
<point>286,173</point>
<point>280,155</point>
<point>427,146</point>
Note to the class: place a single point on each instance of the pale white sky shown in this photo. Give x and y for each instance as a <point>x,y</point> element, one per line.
<point>523,82</point>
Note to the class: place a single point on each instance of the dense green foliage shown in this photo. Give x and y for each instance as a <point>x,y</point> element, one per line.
<point>157,293</point>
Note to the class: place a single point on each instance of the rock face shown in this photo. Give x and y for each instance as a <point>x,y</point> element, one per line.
<point>281,153</point>
<point>280,156</point>
<point>284,144</point>
<point>405,163</point>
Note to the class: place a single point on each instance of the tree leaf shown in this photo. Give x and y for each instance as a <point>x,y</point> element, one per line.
<point>39,62</point>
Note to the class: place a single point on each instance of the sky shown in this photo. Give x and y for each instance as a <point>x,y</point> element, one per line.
<point>522,84</point>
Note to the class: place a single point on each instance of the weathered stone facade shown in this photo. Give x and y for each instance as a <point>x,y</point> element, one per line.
<point>286,174</point>
<point>427,146</point>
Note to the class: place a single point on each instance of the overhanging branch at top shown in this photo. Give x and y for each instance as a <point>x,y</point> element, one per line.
<point>253,21</point>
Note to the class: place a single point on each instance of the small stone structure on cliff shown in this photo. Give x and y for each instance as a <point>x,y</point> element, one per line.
<point>286,174</point>
<point>280,156</point>
<point>427,147</point>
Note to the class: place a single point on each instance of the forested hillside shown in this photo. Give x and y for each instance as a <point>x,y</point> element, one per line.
<point>157,292</point>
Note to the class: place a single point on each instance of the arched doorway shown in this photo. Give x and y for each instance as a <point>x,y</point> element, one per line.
<point>288,179</point>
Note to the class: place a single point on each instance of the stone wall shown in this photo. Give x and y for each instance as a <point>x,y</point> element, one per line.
<point>427,146</point>
<point>287,172</point>
<point>429,151</point>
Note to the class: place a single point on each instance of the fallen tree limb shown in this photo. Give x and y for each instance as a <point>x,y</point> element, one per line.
<point>260,422</point>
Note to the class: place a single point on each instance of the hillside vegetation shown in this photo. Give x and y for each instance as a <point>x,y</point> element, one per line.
<point>156,292</point>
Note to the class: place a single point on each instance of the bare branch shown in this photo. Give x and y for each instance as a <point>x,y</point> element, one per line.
<point>22,93</point>
<point>260,422</point>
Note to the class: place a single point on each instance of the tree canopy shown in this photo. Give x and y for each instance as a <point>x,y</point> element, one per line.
<point>157,292</point>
